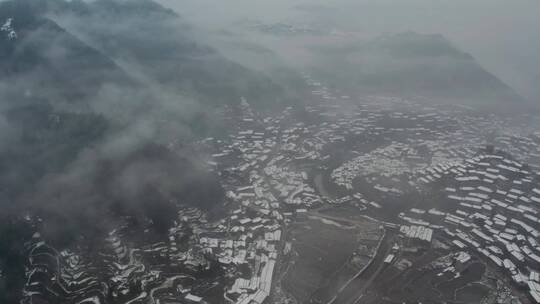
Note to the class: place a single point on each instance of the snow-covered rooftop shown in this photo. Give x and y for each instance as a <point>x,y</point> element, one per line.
<point>8,28</point>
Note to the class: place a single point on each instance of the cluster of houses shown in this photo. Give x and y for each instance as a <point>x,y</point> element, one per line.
<point>261,173</point>
<point>491,208</point>
<point>491,202</point>
<point>7,28</point>
<point>268,194</point>
<point>453,264</point>
<point>524,148</point>
<point>410,148</point>
<point>419,234</point>
<point>388,147</point>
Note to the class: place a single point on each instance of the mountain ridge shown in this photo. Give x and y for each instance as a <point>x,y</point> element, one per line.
<point>416,65</point>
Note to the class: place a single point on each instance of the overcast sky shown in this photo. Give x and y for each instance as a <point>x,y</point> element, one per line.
<point>504,36</point>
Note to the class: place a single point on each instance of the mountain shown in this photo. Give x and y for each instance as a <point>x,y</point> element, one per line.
<point>156,45</point>
<point>108,82</point>
<point>74,48</point>
<point>96,99</point>
<point>47,61</point>
<point>415,65</point>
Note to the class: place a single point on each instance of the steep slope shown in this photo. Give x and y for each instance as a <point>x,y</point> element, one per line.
<point>53,126</point>
<point>45,60</point>
<point>96,99</point>
<point>77,156</point>
<point>154,44</point>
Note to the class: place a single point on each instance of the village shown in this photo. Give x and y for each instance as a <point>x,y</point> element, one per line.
<point>490,204</point>
<point>379,160</point>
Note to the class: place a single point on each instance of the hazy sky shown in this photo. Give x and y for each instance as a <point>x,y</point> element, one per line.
<point>502,35</point>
